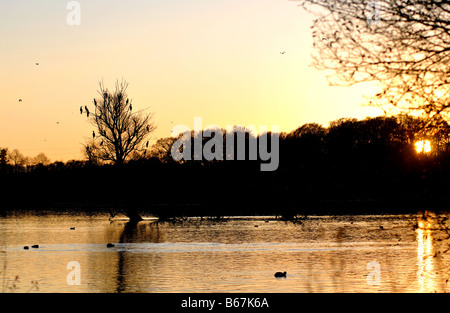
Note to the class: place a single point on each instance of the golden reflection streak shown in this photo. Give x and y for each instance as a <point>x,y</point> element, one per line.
<point>424,257</point>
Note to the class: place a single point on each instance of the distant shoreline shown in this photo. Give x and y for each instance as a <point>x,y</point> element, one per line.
<point>168,210</point>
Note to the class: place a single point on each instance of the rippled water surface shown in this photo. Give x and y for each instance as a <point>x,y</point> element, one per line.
<point>376,253</point>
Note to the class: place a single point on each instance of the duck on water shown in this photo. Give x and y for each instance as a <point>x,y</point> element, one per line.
<point>280,274</point>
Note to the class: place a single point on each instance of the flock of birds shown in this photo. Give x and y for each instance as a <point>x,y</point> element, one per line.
<point>110,245</point>
<point>86,109</point>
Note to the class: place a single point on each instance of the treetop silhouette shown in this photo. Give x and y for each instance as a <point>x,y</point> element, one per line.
<point>119,131</point>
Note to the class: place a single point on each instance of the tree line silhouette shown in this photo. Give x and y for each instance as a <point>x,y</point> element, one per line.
<point>351,166</point>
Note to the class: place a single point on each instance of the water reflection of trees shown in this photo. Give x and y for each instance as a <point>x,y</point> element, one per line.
<point>339,269</point>
<point>121,270</point>
<point>128,269</point>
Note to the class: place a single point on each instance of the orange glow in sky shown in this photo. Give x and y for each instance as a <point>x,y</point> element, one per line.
<point>219,60</point>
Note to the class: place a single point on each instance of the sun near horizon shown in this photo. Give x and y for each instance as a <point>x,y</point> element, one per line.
<point>229,62</point>
<point>423,146</point>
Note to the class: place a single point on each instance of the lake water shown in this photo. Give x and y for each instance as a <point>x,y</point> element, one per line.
<point>367,253</point>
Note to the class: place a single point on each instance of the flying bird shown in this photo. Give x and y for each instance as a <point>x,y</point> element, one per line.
<point>37,63</point>
<point>20,100</point>
<point>283,52</point>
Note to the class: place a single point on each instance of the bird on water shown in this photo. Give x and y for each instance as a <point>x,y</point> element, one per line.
<point>280,274</point>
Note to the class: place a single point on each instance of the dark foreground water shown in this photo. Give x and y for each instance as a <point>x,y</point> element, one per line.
<point>376,253</point>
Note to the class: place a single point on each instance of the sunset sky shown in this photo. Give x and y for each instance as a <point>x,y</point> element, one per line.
<point>219,60</point>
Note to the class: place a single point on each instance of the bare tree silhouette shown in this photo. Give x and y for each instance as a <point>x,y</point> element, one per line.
<point>403,45</point>
<point>162,149</point>
<point>42,159</point>
<point>119,131</point>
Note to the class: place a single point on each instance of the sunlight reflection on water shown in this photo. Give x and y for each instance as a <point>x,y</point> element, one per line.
<point>321,254</point>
